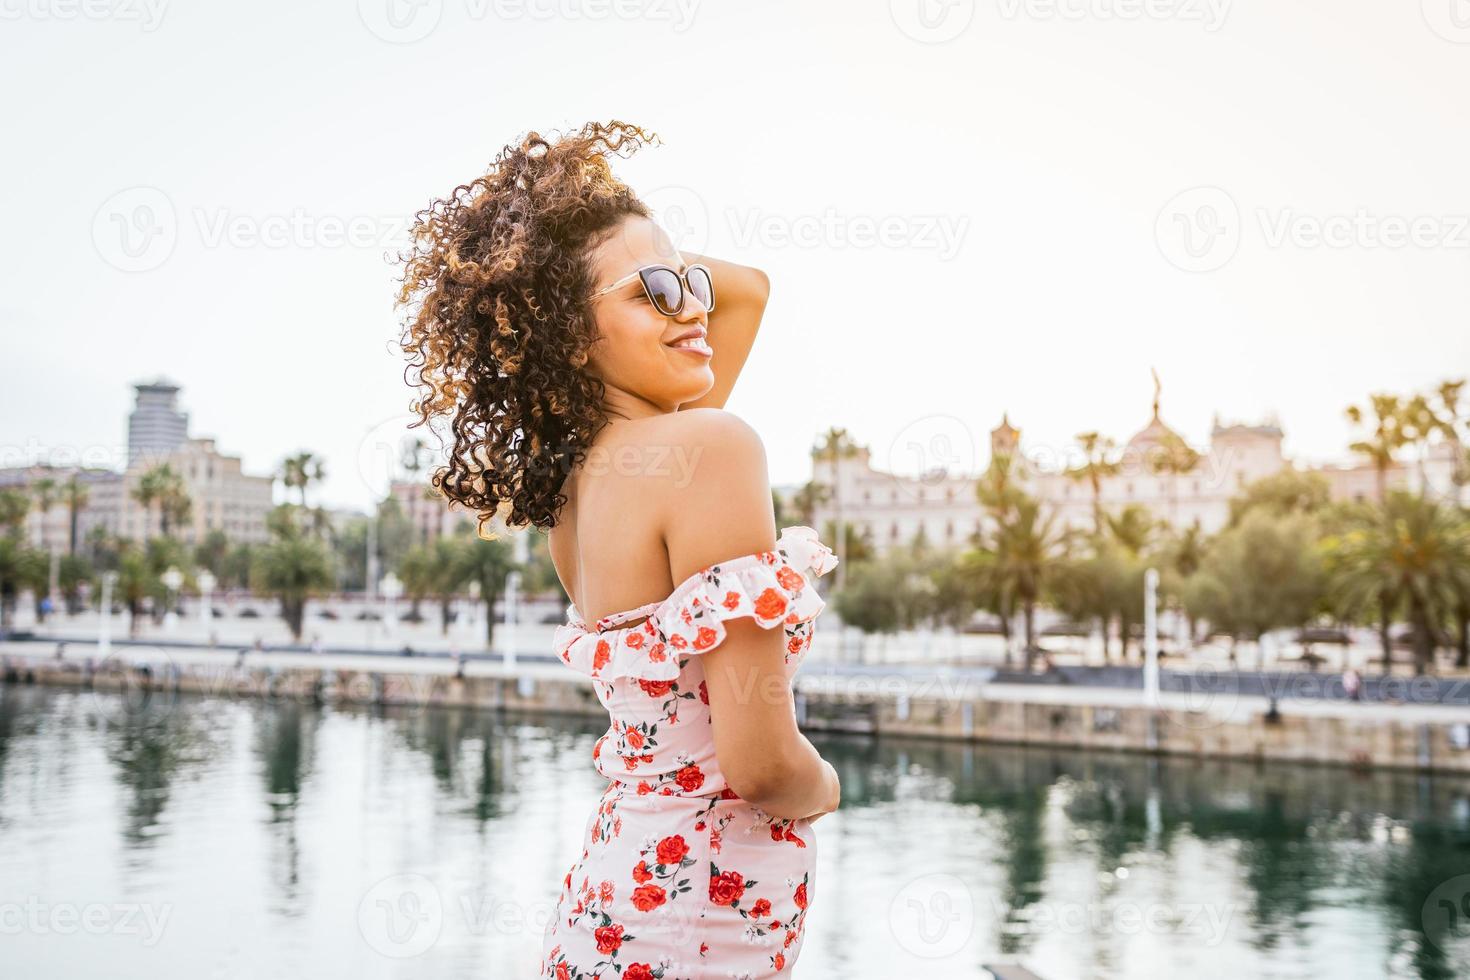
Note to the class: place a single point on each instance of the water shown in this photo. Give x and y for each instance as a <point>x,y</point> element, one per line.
<point>197,838</point>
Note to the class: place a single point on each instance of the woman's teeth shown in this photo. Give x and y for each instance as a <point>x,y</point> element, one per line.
<point>693,343</point>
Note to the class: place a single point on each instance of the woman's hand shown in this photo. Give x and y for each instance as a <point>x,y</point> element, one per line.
<point>741,293</point>
<point>835,789</point>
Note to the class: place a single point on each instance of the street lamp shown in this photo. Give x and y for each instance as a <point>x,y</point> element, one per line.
<point>392,588</point>
<point>104,625</point>
<point>173,580</point>
<point>206,586</point>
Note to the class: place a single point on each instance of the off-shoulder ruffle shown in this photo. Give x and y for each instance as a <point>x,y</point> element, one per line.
<point>771,587</point>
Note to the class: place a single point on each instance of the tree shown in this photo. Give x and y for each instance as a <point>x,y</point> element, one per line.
<point>1175,457</point>
<point>1386,438</point>
<point>14,505</point>
<point>300,471</point>
<point>1411,553</point>
<point>1286,492</point>
<point>163,487</point>
<point>1096,466</point>
<point>1263,574</point>
<point>487,561</point>
<point>292,567</point>
<point>76,495</point>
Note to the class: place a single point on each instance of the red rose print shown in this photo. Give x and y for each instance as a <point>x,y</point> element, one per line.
<point>689,778</point>
<point>641,872</point>
<point>793,645</point>
<point>602,656</point>
<point>790,578</point>
<point>646,898</point>
<point>656,689</point>
<point>609,938</point>
<point>761,907</point>
<point>638,971</point>
<point>801,895</point>
<point>656,653</point>
<point>732,600</point>
<point>703,693</point>
<point>778,962</point>
<point>705,638</point>
<point>671,850</point>
<point>770,604</point>
<point>726,887</point>
<point>635,640</point>
<point>678,642</point>
<point>635,738</point>
<point>605,892</point>
<point>562,973</point>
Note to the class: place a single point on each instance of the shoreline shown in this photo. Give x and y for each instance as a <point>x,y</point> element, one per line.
<point>941,703</point>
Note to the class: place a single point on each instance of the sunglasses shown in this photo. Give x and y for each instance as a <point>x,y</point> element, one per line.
<point>666,287</point>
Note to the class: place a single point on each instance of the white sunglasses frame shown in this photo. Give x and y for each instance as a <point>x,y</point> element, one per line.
<point>685,290</point>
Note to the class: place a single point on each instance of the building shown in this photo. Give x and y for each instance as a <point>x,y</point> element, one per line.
<point>98,503</point>
<point>891,509</point>
<point>222,497</point>
<point>156,427</point>
<point>430,515</point>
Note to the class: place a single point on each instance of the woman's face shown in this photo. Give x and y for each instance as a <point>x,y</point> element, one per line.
<point>643,374</point>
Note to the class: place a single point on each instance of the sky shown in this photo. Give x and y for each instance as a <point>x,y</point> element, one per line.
<point>966,207</point>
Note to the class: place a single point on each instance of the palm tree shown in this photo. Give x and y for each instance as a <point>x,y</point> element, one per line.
<point>1175,457</point>
<point>293,568</point>
<point>834,446</point>
<point>1026,541</point>
<point>76,495</point>
<point>1386,438</point>
<point>47,491</point>
<point>14,505</point>
<point>488,562</point>
<point>301,471</point>
<point>162,486</point>
<point>1096,466</point>
<point>1412,551</point>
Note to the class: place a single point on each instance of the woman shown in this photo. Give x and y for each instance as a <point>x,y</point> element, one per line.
<point>582,363</point>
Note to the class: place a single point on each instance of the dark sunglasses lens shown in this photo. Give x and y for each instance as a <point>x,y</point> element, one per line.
<point>702,288</point>
<point>664,289</point>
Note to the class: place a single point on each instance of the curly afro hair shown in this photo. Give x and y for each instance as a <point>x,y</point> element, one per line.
<point>497,281</point>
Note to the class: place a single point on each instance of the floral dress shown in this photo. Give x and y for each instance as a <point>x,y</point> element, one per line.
<point>678,877</point>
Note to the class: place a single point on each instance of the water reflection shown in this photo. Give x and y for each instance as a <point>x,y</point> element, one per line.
<point>1235,869</point>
